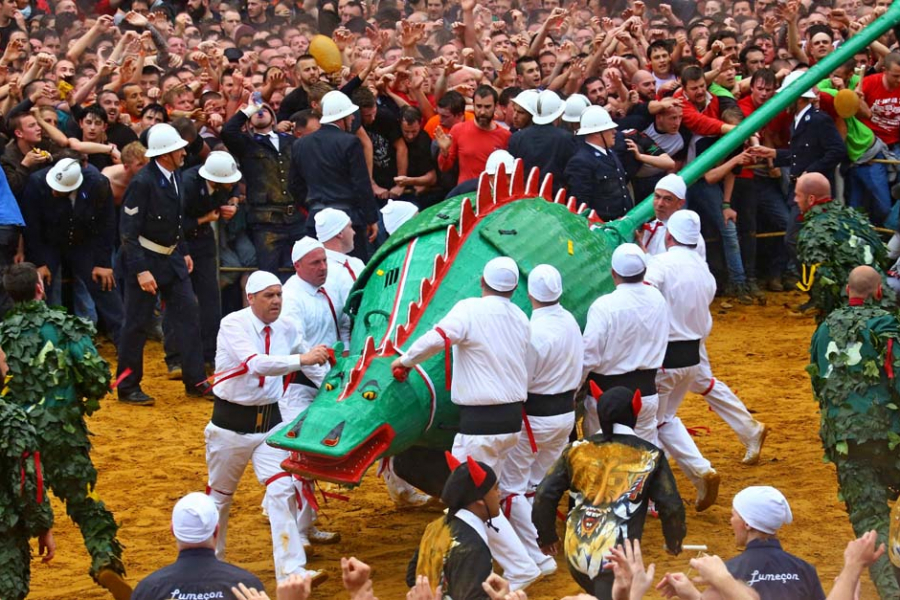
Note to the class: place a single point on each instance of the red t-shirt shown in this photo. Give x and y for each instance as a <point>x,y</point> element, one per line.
<point>776,127</point>
<point>471,146</point>
<point>885,105</point>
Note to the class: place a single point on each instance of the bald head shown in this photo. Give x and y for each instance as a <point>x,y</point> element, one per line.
<point>811,189</point>
<point>864,283</point>
<point>644,84</point>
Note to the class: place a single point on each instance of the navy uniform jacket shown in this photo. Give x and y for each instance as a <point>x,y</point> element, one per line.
<point>328,167</point>
<point>152,208</point>
<point>775,574</point>
<point>198,201</point>
<point>599,181</point>
<point>53,224</point>
<point>196,574</point>
<point>816,146</point>
<point>544,146</point>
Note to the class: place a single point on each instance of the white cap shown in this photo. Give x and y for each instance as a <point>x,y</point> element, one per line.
<point>629,260</point>
<point>545,284</point>
<point>527,99</point>
<point>260,280</point>
<point>304,246</point>
<point>329,223</point>
<point>397,212</point>
<point>791,78</point>
<point>495,158</point>
<point>763,508</point>
<point>195,517</point>
<point>684,225</point>
<point>501,274</point>
<point>673,184</point>
<point>65,176</point>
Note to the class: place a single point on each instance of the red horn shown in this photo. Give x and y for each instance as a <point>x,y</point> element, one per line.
<point>636,403</point>
<point>596,392</point>
<point>476,472</point>
<point>451,460</point>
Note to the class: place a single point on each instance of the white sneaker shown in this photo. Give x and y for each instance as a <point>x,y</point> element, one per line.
<point>548,567</point>
<point>707,490</point>
<point>754,448</point>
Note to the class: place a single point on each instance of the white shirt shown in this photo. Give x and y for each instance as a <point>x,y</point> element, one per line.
<point>626,331</point>
<point>554,351</point>
<point>490,347</point>
<point>310,309</point>
<point>687,285</point>
<point>654,239</point>
<point>343,271</point>
<point>169,175</point>
<point>596,147</point>
<point>800,114</point>
<point>242,335</point>
<point>470,519</point>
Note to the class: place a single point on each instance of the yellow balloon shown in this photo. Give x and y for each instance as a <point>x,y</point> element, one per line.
<point>326,53</point>
<point>846,103</point>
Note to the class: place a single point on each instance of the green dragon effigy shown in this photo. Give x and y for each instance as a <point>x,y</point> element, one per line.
<point>362,412</point>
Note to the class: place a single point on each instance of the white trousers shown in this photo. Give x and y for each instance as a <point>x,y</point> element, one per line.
<point>291,404</point>
<point>227,455</point>
<point>724,402</point>
<point>525,469</point>
<point>646,425</point>
<point>673,385</point>
<point>506,547</point>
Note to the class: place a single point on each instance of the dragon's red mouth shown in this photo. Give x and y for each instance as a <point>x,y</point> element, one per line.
<point>346,469</point>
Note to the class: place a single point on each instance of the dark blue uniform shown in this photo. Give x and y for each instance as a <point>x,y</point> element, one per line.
<point>600,181</point>
<point>196,574</point>
<point>775,574</point>
<point>546,147</point>
<point>78,231</point>
<point>328,168</point>
<point>152,209</point>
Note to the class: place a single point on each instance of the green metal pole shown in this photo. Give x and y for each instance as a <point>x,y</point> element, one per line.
<point>643,212</point>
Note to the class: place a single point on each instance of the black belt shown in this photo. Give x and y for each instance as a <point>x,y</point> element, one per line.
<point>642,379</point>
<point>299,378</point>
<point>549,405</point>
<point>682,354</point>
<point>336,204</point>
<point>245,419</point>
<point>494,419</point>
<point>287,209</point>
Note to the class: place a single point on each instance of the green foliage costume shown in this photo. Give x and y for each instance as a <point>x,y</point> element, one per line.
<point>59,377</point>
<point>24,508</point>
<point>835,240</point>
<point>855,358</point>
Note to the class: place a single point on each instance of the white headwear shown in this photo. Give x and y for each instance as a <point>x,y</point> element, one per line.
<point>673,184</point>
<point>684,225</point>
<point>763,508</point>
<point>304,246</point>
<point>397,212</point>
<point>195,517</point>
<point>260,280</point>
<point>329,223</point>
<point>791,78</point>
<point>501,274</point>
<point>629,260</point>
<point>545,284</point>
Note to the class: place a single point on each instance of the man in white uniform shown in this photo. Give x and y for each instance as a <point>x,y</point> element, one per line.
<point>490,338</point>
<point>625,340</point>
<point>554,372</point>
<point>668,197</point>
<point>334,230</point>
<point>684,280</point>
<point>397,212</point>
<point>255,348</point>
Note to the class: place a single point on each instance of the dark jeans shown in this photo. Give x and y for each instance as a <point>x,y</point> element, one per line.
<point>869,188</point>
<point>273,243</point>
<point>752,199</point>
<point>706,199</point>
<point>205,282</point>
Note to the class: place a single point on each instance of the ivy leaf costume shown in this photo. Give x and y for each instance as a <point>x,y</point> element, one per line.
<point>59,378</point>
<point>855,364</point>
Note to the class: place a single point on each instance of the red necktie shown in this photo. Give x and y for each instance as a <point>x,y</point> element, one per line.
<point>337,329</point>
<point>350,270</point>
<point>268,330</point>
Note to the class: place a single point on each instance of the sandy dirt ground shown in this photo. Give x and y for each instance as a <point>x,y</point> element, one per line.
<point>150,457</point>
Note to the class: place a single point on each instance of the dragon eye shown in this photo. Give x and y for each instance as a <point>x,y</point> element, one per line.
<point>370,395</point>
<point>329,387</point>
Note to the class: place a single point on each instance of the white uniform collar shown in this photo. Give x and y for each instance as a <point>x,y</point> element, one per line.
<point>258,325</point>
<point>470,519</point>
<point>800,115</point>
<point>596,147</point>
<point>307,287</point>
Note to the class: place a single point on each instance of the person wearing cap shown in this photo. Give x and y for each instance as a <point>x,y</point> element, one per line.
<point>576,104</point>
<point>625,339</point>
<point>329,171</point>
<point>611,475</point>
<point>668,197</point>
<point>757,513</point>
<point>454,552</point>
<point>524,108</point>
<point>684,280</point>
<point>274,218</point>
<point>397,212</point>
<point>335,232</point>
<point>208,196</point>
<point>156,260</point>
<point>497,157</point>
<point>489,336</point>
<point>554,375</point>
<point>71,222</point>
<point>255,349</point>
<point>196,573</point>
<point>595,174</point>
<point>544,145</point>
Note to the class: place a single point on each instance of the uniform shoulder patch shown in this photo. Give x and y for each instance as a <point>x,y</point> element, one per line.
<point>131,211</point>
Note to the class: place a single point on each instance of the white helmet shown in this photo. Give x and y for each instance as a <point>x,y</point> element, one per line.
<point>527,99</point>
<point>548,108</point>
<point>595,119</point>
<point>162,139</point>
<point>220,168</point>
<point>575,105</point>
<point>335,106</point>
<point>791,78</point>
<point>497,157</point>
<point>65,175</point>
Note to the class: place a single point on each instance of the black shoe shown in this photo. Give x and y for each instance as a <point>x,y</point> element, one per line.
<point>203,391</point>
<point>174,372</point>
<point>137,398</point>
